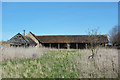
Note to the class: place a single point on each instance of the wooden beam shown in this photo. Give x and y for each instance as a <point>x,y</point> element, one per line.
<point>76,45</point>
<point>50,45</point>
<point>58,46</point>
<point>68,46</point>
<point>86,46</point>
<point>105,44</point>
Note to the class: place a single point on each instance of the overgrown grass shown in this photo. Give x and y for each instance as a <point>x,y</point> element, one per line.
<point>56,64</point>
<point>64,64</point>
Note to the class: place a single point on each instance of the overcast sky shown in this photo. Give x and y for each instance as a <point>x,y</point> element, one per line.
<point>62,18</point>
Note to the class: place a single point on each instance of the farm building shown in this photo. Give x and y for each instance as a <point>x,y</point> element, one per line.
<point>21,41</point>
<point>58,41</point>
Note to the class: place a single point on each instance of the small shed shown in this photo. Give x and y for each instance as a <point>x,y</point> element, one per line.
<point>21,41</point>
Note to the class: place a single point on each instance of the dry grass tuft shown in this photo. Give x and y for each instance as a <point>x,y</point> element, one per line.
<point>45,62</point>
<point>11,53</point>
<point>105,63</point>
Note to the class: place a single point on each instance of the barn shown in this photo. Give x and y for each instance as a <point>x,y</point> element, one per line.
<point>21,41</point>
<point>58,41</point>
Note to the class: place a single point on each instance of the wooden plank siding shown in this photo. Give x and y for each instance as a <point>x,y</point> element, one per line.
<point>20,40</point>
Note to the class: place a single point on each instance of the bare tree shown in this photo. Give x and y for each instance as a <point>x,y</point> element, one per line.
<point>114,36</point>
<point>94,41</point>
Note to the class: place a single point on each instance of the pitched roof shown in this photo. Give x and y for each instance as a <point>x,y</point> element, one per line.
<point>72,38</point>
<point>29,40</point>
<point>20,39</point>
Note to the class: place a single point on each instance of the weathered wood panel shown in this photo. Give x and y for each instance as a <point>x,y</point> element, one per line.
<point>20,40</point>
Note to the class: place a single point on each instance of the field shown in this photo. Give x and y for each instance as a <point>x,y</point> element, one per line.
<point>58,63</point>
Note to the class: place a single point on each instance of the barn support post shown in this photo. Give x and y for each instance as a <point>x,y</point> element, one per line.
<point>105,45</point>
<point>58,46</point>
<point>68,46</point>
<point>50,45</point>
<point>24,46</point>
<point>86,46</point>
<point>76,45</point>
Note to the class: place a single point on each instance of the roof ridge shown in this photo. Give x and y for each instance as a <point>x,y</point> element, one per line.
<point>69,35</point>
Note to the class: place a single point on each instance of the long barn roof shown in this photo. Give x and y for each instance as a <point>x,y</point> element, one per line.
<point>72,38</point>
